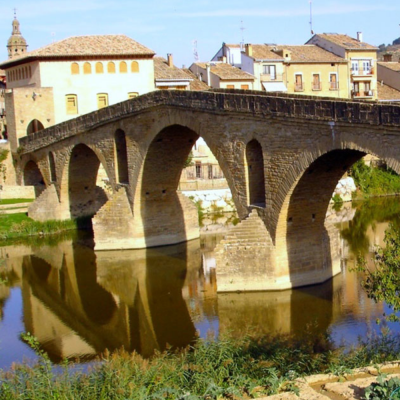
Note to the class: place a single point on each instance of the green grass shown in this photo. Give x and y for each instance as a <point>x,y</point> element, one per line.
<point>18,225</point>
<point>15,201</point>
<point>229,368</point>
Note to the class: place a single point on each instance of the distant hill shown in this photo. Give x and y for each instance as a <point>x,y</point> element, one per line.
<point>393,48</point>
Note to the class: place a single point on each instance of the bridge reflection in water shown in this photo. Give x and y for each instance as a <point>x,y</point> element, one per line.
<point>79,303</point>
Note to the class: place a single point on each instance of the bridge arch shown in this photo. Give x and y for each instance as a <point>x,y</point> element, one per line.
<point>32,176</point>
<point>52,167</point>
<point>121,154</point>
<point>254,162</point>
<point>79,187</point>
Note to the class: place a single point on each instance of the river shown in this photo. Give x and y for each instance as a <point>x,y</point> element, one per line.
<point>77,302</point>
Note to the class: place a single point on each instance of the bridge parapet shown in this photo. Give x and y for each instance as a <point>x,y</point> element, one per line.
<point>255,103</point>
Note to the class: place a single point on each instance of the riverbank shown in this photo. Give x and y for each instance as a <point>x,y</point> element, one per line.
<point>245,368</point>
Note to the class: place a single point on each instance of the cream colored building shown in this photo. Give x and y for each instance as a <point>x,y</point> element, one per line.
<point>73,77</point>
<point>361,58</point>
<point>230,53</point>
<point>389,74</point>
<point>169,77</point>
<point>223,75</point>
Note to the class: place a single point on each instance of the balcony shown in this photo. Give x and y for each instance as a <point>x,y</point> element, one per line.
<point>317,86</point>
<point>362,71</point>
<point>363,94</point>
<point>299,87</point>
<point>271,77</point>
<point>333,85</point>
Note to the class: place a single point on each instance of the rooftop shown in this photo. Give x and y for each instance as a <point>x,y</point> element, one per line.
<point>394,66</point>
<point>346,41</point>
<point>85,46</point>
<point>195,84</point>
<point>386,92</point>
<point>310,53</point>
<point>226,71</point>
<point>264,52</point>
<point>163,71</point>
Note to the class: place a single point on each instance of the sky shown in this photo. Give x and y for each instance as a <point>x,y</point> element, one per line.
<point>173,26</point>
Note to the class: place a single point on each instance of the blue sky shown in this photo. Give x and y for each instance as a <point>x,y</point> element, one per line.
<point>171,26</point>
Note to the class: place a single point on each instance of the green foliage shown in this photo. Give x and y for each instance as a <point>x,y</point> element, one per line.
<point>189,160</point>
<point>337,202</point>
<point>383,389</point>
<point>250,367</point>
<point>375,181</point>
<point>15,201</point>
<point>19,225</point>
<point>382,283</point>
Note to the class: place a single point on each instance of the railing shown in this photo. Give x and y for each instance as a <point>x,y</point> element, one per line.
<point>362,71</point>
<point>299,87</point>
<point>363,93</point>
<point>333,85</point>
<point>316,86</point>
<point>271,77</point>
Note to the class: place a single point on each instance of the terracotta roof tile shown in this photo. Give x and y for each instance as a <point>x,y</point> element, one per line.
<point>310,53</point>
<point>226,71</point>
<point>264,52</point>
<point>81,46</point>
<point>195,84</point>
<point>386,92</point>
<point>395,66</point>
<point>346,41</point>
<point>163,71</point>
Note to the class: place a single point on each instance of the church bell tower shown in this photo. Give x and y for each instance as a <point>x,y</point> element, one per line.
<point>16,45</point>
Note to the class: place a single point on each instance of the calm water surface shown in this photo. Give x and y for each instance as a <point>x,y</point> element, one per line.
<point>78,303</point>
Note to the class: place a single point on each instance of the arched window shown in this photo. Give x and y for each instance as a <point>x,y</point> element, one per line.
<point>52,165</point>
<point>87,68</point>
<point>123,68</point>
<point>99,68</point>
<point>111,68</point>
<point>74,68</point>
<point>19,74</point>
<point>30,72</point>
<point>26,73</point>
<point>255,174</point>
<point>135,66</point>
<point>34,126</point>
<point>23,73</point>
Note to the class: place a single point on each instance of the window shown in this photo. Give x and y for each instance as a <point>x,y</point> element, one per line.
<point>298,85</point>
<point>333,84</point>
<point>30,72</point>
<point>270,70</point>
<point>74,69</point>
<point>354,67</point>
<point>198,170</point>
<point>87,68</point>
<point>367,89</point>
<point>356,89</point>
<point>366,67</point>
<point>230,86</point>
<point>132,95</point>
<point>135,66</point>
<point>316,82</point>
<point>111,68</point>
<point>245,87</point>
<point>123,69</point>
<point>99,68</point>
<point>71,104</point>
<point>102,100</point>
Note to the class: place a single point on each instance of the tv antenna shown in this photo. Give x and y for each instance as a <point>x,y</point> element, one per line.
<point>312,32</point>
<point>195,53</point>
<point>242,28</point>
<point>53,37</point>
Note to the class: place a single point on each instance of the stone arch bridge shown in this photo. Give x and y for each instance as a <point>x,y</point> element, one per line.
<point>282,156</point>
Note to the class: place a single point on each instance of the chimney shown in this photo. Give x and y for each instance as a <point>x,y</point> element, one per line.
<point>387,57</point>
<point>249,49</point>
<point>170,60</point>
<point>359,36</point>
<point>208,68</point>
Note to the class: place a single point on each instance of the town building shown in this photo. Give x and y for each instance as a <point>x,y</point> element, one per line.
<point>73,77</point>
<point>169,77</point>
<point>389,76</point>
<point>16,45</point>
<point>230,53</point>
<point>223,75</point>
<point>361,58</point>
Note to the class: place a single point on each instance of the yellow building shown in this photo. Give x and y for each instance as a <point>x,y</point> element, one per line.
<point>361,58</point>
<point>223,75</point>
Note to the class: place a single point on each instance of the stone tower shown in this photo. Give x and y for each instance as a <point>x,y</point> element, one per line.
<point>16,45</point>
